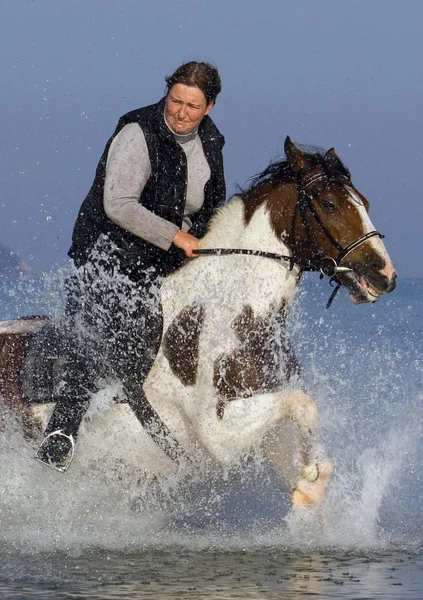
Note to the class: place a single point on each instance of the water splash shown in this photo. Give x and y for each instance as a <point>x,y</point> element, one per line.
<point>368,387</point>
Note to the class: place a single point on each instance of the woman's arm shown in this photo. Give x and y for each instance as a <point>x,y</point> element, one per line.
<point>127,171</point>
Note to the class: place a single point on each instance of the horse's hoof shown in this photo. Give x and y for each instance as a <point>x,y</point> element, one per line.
<point>310,492</point>
<point>310,472</point>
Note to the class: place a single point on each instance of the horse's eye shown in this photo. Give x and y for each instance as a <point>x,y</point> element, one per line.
<point>327,205</point>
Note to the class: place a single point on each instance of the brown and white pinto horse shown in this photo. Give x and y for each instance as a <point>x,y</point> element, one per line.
<point>225,381</point>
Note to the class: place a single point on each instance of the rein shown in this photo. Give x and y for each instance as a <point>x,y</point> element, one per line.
<point>326,265</point>
<point>305,265</point>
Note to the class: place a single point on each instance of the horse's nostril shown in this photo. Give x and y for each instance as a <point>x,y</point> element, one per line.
<point>393,282</point>
<point>377,264</point>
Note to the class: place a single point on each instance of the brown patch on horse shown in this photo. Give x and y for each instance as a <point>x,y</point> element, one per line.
<point>263,362</point>
<point>281,213</point>
<point>180,344</point>
<point>14,340</point>
<point>254,201</point>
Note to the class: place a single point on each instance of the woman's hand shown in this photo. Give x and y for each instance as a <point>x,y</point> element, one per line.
<point>186,242</point>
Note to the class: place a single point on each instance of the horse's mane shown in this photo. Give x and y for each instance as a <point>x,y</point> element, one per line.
<point>280,171</point>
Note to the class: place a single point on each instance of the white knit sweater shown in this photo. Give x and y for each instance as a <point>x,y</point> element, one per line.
<point>127,171</point>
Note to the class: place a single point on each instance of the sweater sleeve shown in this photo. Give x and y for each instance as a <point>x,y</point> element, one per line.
<point>127,171</point>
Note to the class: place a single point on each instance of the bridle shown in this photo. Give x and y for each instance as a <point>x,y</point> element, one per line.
<point>326,265</point>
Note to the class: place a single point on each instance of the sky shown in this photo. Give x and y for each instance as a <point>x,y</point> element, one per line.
<point>344,74</point>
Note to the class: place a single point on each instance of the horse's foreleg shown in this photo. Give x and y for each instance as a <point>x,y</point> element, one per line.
<point>301,409</point>
<point>314,469</point>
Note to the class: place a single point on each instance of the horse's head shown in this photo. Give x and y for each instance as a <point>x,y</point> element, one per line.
<point>332,228</point>
<point>316,210</point>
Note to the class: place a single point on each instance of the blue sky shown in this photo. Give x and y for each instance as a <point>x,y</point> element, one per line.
<point>327,73</point>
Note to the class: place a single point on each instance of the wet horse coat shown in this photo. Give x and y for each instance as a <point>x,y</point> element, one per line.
<point>225,380</point>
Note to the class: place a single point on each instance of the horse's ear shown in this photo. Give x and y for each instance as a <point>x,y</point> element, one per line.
<point>332,159</point>
<point>297,160</point>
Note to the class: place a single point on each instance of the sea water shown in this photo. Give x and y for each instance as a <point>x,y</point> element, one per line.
<point>102,531</point>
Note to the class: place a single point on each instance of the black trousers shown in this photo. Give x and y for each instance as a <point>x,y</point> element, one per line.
<point>113,327</point>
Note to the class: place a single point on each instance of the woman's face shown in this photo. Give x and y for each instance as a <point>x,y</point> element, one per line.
<point>185,107</point>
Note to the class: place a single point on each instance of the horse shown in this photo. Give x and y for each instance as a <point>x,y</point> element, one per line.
<point>226,381</point>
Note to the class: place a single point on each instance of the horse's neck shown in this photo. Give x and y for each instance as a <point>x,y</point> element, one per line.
<point>270,282</point>
<point>228,229</point>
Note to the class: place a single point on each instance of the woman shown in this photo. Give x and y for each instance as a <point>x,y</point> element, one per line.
<point>156,186</point>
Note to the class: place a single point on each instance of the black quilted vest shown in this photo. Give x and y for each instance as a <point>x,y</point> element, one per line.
<point>164,193</point>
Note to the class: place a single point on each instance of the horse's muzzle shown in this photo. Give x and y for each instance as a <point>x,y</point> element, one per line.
<point>367,284</point>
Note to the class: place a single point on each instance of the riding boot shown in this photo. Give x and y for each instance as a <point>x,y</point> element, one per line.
<point>71,406</point>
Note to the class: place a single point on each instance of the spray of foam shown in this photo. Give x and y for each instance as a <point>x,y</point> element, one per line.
<point>109,503</point>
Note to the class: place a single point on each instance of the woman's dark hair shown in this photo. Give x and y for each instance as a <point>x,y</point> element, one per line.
<point>197,74</point>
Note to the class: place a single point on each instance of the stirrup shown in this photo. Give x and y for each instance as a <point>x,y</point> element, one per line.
<point>63,464</point>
